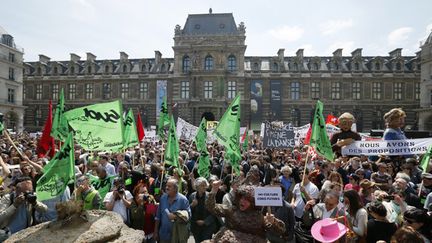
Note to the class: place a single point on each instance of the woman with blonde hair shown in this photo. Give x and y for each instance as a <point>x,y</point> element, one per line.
<point>333,177</point>
<point>395,121</point>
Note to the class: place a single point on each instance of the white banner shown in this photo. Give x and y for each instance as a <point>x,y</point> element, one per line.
<point>389,148</point>
<point>185,130</point>
<point>268,196</point>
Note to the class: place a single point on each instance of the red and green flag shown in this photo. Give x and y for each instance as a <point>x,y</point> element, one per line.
<point>319,138</point>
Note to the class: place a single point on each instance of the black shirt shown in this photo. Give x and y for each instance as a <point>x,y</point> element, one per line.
<point>379,230</point>
<point>340,136</point>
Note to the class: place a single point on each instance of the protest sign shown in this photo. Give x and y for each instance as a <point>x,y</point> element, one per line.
<point>389,148</point>
<point>268,196</point>
<point>278,136</point>
<point>185,130</point>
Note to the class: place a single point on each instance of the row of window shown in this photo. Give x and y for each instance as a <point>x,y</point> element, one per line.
<point>295,89</point>
<point>208,63</point>
<point>356,90</point>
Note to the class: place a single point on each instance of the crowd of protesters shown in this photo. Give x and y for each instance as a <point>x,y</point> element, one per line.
<point>350,199</point>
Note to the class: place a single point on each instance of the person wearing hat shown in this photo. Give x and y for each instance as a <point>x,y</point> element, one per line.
<point>328,230</point>
<point>425,187</point>
<point>367,188</point>
<point>346,136</point>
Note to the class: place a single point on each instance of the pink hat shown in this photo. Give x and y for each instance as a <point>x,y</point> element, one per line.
<point>327,230</point>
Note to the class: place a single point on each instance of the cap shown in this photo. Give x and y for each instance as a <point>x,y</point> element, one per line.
<point>427,176</point>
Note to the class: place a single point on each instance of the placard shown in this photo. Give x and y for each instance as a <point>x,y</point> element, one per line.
<point>280,136</point>
<point>268,196</point>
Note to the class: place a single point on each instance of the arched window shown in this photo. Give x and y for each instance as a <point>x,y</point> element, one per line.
<point>124,68</point>
<point>163,67</point>
<point>89,69</point>
<point>106,69</point>
<point>208,63</point>
<point>72,70</point>
<point>143,68</point>
<point>336,66</point>
<point>186,64</point>
<point>295,67</point>
<point>275,67</point>
<point>39,71</point>
<point>315,66</point>
<point>377,66</point>
<point>232,63</point>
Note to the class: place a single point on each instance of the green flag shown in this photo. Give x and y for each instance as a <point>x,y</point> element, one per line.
<point>98,127</point>
<point>58,173</point>
<point>60,129</point>
<point>163,118</point>
<point>426,158</point>
<point>1,128</point>
<point>227,132</point>
<point>319,138</point>
<point>201,144</point>
<point>130,132</point>
<point>172,149</point>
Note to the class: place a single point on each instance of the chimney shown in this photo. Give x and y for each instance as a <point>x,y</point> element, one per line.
<point>74,57</point>
<point>123,56</point>
<point>337,53</point>
<point>90,57</point>
<point>43,58</point>
<point>396,53</point>
<point>299,53</point>
<point>281,54</point>
<point>357,52</point>
<point>158,57</point>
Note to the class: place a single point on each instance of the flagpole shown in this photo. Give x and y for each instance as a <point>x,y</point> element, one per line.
<point>6,132</point>
<point>305,166</point>
<point>163,167</point>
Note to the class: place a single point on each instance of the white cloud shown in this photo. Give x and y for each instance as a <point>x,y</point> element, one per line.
<point>287,33</point>
<point>347,46</point>
<point>308,50</point>
<point>399,36</point>
<point>334,26</point>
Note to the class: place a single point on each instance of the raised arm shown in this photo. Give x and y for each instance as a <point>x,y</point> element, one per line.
<point>218,210</point>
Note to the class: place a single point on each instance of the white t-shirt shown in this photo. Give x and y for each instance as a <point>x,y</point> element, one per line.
<point>119,206</point>
<point>299,205</point>
<point>110,169</point>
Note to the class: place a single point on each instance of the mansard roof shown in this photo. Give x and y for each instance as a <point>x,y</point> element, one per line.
<point>210,24</point>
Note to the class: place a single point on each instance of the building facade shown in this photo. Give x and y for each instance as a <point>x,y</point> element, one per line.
<point>11,82</point>
<point>425,111</point>
<point>209,68</point>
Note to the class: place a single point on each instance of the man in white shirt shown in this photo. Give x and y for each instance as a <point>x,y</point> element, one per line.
<point>110,169</point>
<point>308,191</point>
<point>119,199</point>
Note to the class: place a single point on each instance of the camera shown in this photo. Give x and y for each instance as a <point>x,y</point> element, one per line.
<point>121,190</point>
<point>30,197</point>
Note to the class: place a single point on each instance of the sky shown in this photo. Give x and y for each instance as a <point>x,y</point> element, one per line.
<point>57,28</point>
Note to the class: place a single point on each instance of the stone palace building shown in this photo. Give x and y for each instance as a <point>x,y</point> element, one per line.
<point>209,68</point>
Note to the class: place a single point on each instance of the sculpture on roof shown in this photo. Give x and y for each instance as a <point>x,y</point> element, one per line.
<point>177,30</point>
<point>242,27</point>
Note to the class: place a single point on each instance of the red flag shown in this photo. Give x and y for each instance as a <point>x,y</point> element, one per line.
<point>46,142</point>
<point>244,136</point>
<point>140,128</point>
<point>332,120</point>
<point>308,135</point>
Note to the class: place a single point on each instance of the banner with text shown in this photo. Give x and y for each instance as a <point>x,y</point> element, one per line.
<point>268,196</point>
<point>275,100</point>
<point>185,130</point>
<point>256,109</point>
<point>161,91</point>
<point>389,148</point>
<point>278,136</point>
